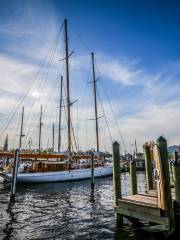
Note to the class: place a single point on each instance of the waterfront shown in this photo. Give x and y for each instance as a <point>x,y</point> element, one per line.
<point>66,211</point>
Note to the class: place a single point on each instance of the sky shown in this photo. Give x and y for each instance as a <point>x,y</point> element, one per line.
<point>137,61</point>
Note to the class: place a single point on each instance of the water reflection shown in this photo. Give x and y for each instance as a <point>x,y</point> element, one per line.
<point>8,229</point>
<point>67,211</point>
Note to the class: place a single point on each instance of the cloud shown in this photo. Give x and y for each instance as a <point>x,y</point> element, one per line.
<point>142,116</point>
<point>125,71</point>
<point>151,122</point>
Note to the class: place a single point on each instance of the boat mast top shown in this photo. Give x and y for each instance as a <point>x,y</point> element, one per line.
<point>95,103</point>
<point>21,132</point>
<point>67,83</point>
<point>60,110</point>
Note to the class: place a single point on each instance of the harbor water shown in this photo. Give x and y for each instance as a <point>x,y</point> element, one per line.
<point>69,210</point>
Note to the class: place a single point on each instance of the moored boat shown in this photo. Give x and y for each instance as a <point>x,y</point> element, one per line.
<point>59,176</point>
<point>53,167</point>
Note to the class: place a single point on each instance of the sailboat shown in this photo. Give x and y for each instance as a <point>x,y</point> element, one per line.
<point>38,167</point>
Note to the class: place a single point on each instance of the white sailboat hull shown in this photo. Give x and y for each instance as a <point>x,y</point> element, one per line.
<point>60,176</point>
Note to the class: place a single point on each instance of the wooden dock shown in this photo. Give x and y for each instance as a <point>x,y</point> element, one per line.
<point>160,206</point>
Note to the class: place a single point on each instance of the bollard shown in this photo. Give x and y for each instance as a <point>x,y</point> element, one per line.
<point>148,166</point>
<point>14,175</point>
<point>133,177</point>
<point>166,188</point>
<point>92,171</point>
<point>176,174</point>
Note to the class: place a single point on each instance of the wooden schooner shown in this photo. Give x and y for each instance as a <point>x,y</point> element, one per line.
<point>39,167</point>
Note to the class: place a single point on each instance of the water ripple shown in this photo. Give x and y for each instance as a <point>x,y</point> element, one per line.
<point>65,211</point>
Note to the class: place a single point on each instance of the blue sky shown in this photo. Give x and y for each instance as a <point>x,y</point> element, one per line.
<point>137,59</point>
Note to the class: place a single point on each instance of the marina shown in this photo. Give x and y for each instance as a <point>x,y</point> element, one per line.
<point>62,167</point>
<point>89,120</point>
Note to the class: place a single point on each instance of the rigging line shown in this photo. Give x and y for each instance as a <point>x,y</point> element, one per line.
<point>115,119</point>
<point>46,74</point>
<point>30,127</point>
<point>16,106</point>
<point>17,124</point>
<point>42,84</point>
<point>82,40</point>
<point>48,100</point>
<point>54,86</point>
<point>29,85</point>
<point>104,115</point>
<point>43,81</point>
<point>70,121</point>
<point>45,78</point>
<point>72,131</point>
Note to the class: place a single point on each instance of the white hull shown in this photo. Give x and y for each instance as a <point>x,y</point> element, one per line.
<point>60,176</point>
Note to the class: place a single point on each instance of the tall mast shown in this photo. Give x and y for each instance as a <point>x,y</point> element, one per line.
<point>67,79</point>
<point>40,126</point>
<point>53,138</point>
<point>60,107</point>
<point>95,103</point>
<point>21,132</point>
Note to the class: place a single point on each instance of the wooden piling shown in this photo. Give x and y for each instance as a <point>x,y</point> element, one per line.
<point>116,173</point>
<point>166,188</point>
<point>148,166</point>
<point>133,177</point>
<point>92,171</point>
<point>14,175</point>
<point>117,182</point>
<point>176,174</point>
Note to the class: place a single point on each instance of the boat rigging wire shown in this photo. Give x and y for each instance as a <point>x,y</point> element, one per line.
<point>110,105</point>
<point>101,104</point>
<point>22,97</point>
<point>80,38</point>
<point>115,119</point>
<point>70,121</point>
<point>41,87</point>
